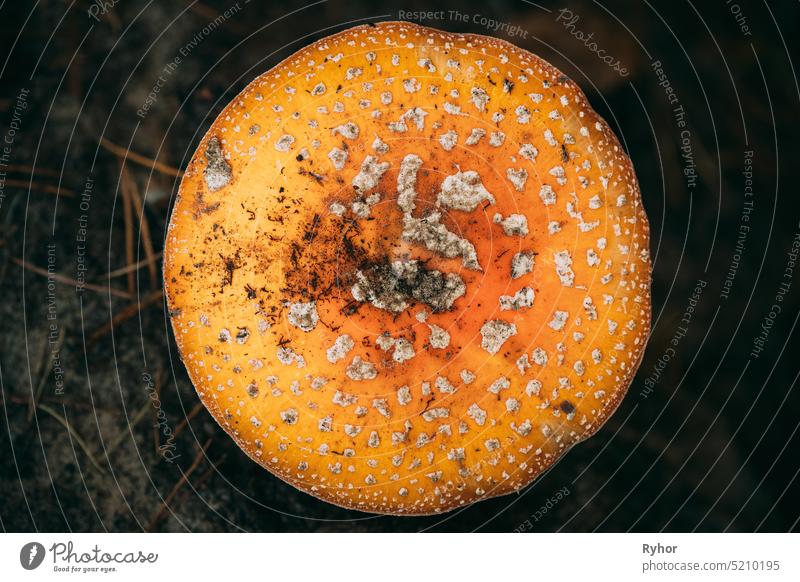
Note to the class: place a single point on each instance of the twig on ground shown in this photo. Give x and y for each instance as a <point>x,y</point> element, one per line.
<point>117,440</point>
<point>134,267</point>
<point>192,413</point>
<point>47,188</point>
<point>127,215</point>
<point>78,439</point>
<point>69,281</point>
<point>144,227</point>
<point>132,156</point>
<point>23,169</point>
<point>125,314</point>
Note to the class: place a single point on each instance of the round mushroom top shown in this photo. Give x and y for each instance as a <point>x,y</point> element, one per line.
<point>408,269</point>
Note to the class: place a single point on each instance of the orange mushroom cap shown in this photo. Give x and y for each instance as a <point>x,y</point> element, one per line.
<point>408,269</point>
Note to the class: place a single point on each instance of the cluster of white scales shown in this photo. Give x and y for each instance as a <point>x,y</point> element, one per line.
<point>387,288</point>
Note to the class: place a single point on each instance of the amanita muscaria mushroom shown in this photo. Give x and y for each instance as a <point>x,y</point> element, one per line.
<point>408,269</point>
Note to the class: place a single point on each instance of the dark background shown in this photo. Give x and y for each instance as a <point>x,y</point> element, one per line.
<point>713,446</point>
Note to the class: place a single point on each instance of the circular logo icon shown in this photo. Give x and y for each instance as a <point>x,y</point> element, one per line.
<point>31,555</point>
